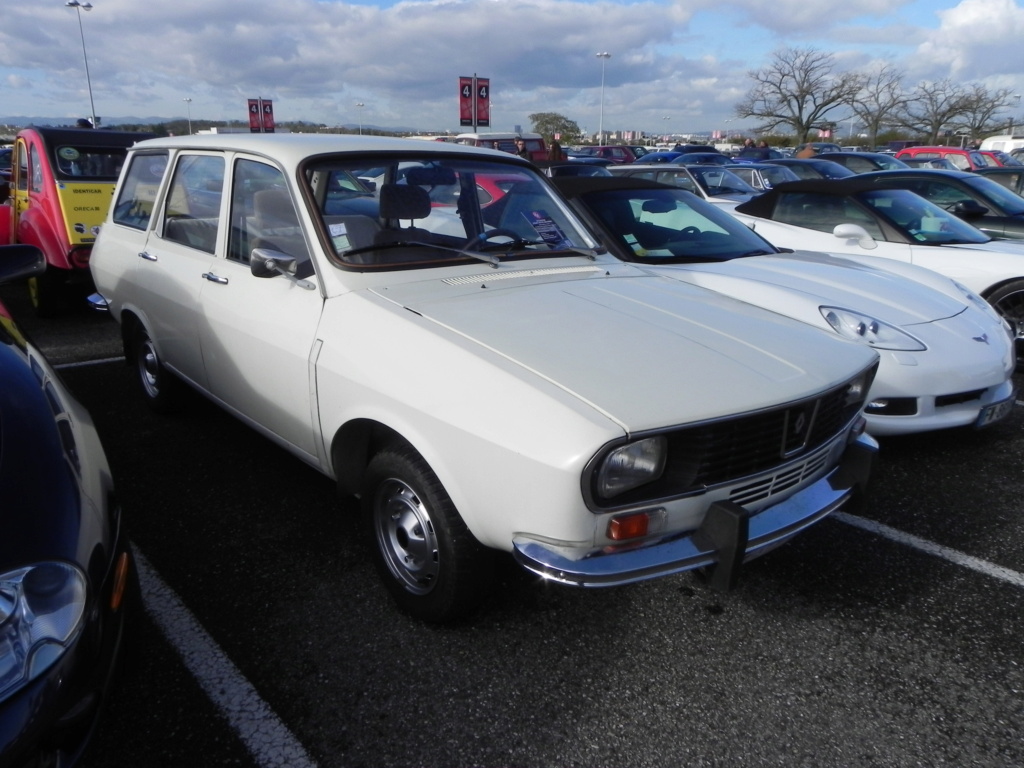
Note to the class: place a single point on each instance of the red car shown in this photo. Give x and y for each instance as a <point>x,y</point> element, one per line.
<point>963,159</point>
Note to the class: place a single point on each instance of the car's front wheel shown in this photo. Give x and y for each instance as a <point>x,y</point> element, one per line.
<point>432,565</point>
<point>159,386</point>
<point>1008,301</point>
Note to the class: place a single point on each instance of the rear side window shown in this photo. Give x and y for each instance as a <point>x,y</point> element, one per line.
<point>192,210</point>
<point>134,205</point>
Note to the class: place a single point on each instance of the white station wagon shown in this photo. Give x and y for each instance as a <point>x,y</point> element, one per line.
<point>431,326</point>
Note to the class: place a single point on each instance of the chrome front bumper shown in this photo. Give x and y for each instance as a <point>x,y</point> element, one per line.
<point>728,537</point>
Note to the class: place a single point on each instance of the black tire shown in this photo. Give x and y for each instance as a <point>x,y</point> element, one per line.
<point>160,387</point>
<point>430,562</point>
<point>1008,301</point>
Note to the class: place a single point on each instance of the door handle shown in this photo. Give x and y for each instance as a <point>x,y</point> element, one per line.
<point>147,256</point>
<point>215,278</point>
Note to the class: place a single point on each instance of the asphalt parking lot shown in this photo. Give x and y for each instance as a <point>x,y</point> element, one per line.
<point>892,637</point>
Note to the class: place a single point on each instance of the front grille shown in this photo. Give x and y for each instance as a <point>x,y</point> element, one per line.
<point>767,451</point>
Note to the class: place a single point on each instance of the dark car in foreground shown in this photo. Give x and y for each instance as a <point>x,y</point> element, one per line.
<point>64,557</point>
<point>974,197</point>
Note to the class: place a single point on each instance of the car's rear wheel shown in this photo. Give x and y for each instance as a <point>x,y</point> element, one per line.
<point>432,565</point>
<point>1008,301</point>
<point>159,386</point>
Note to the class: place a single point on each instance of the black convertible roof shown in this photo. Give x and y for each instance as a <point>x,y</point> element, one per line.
<point>763,205</point>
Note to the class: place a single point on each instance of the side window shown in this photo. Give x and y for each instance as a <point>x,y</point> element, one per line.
<point>20,151</point>
<point>134,204</point>
<point>35,165</point>
<point>263,215</point>
<point>192,210</point>
<point>962,162</point>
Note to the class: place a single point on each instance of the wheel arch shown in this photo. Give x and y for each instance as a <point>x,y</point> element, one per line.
<point>354,445</point>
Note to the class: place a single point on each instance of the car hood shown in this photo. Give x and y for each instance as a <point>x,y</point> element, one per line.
<point>796,284</point>
<point>41,511</point>
<point>645,350</point>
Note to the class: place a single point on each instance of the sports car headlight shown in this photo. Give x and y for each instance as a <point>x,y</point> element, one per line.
<point>41,609</point>
<point>867,330</point>
<point>631,465</point>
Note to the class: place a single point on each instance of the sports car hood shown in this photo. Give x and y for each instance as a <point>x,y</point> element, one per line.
<point>796,284</point>
<point>645,350</point>
<point>40,512</point>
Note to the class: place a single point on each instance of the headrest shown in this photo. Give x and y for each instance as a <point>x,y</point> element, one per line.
<point>402,201</point>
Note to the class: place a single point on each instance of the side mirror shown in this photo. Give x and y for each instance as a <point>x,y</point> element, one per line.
<point>969,209</point>
<point>265,262</point>
<point>18,262</point>
<point>855,232</point>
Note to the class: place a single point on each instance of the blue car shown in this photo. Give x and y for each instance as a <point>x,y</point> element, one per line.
<point>65,562</point>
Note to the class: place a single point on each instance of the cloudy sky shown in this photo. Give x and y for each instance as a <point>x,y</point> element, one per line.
<point>675,66</point>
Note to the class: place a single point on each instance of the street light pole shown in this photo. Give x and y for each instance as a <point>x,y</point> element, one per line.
<point>188,105</point>
<point>360,106</point>
<point>603,56</point>
<point>79,7</point>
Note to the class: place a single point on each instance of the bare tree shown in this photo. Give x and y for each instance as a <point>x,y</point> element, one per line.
<point>799,88</point>
<point>981,110</point>
<point>879,101</point>
<point>933,108</point>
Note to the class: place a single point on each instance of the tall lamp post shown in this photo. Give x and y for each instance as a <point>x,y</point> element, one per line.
<point>188,106</point>
<point>603,56</point>
<point>359,106</point>
<point>79,7</point>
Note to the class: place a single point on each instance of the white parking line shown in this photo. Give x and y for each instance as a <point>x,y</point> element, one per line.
<point>967,561</point>
<point>267,738</point>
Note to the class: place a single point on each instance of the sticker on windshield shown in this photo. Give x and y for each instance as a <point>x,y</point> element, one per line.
<point>339,237</point>
<point>549,232</point>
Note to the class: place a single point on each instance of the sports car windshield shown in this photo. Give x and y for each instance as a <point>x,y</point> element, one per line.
<point>921,220</point>
<point>672,226</point>
<point>719,181</point>
<point>404,210</point>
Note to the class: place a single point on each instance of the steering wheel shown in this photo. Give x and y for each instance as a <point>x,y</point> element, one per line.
<point>479,241</point>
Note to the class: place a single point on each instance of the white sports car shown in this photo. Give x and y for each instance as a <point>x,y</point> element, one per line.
<point>855,218</point>
<point>475,369</point>
<point>947,358</point>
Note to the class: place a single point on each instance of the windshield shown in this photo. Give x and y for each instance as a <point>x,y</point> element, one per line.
<point>404,210</point>
<point>718,181</point>
<point>671,225</point>
<point>920,219</point>
<point>1011,203</point>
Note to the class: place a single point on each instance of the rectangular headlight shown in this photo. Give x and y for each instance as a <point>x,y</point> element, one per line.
<point>631,465</point>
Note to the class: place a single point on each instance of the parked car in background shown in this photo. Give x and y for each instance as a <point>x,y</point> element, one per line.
<point>963,159</point>
<point>61,183</point>
<point>864,162</point>
<point>937,163</point>
<point>5,172</point>
<point>762,176</point>
<point>1010,176</point>
<point>713,183</point>
<point>814,167</point>
<point>820,147</point>
<point>975,198</point>
<point>639,150</point>
<point>857,217</point>
<point>618,153</point>
<point>933,373</point>
<point>703,158</point>
<point>997,158</point>
<point>449,365</point>
<point>1003,142</point>
<point>573,169</point>
<point>506,142</point>
<point>65,562</point>
<point>665,156</point>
